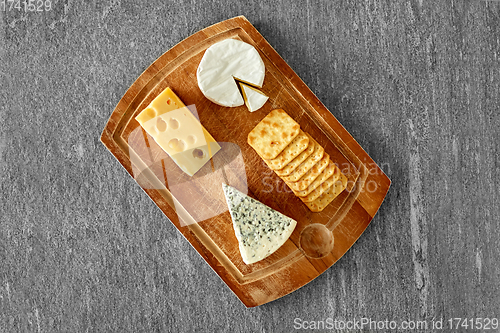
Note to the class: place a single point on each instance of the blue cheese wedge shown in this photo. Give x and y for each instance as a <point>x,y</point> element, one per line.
<point>260,230</point>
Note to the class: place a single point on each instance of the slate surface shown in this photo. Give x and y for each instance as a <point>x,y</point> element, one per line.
<point>83,249</point>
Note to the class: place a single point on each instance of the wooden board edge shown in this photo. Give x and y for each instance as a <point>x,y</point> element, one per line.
<point>111,126</point>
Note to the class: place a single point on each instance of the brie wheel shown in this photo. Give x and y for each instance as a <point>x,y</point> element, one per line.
<point>221,64</point>
<point>254,99</point>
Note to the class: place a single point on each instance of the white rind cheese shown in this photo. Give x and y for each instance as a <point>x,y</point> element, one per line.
<point>254,99</point>
<point>221,64</point>
<point>260,230</point>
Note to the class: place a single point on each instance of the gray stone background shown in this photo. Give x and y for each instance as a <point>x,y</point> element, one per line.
<point>83,249</point>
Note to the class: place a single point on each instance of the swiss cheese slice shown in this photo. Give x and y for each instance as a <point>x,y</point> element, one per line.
<point>260,230</point>
<point>178,132</point>
<point>221,64</point>
<point>254,99</point>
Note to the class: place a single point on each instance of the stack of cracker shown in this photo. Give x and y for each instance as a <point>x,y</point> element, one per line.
<point>298,159</point>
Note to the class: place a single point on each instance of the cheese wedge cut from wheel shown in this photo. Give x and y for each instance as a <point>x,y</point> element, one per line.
<point>254,99</point>
<point>221,64</point>
<point>178,132</point>
<point>260,230</point>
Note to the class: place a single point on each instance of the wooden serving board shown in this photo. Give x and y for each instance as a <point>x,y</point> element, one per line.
<point>196,205</point>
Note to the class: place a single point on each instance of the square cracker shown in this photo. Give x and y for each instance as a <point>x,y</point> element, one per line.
<point>311,175</point>
<point>273,134</point>
<point>297,146</point>
<point>293,164</point>
<point>306,165</point>
<point>338,176</point>
<point>328,196</point>
<point>330,170</point>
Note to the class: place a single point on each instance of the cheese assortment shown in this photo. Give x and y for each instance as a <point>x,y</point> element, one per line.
<point>309,172</point>
<point>228,75</point>
<point>221,64</point>
<point>178,132</point>
<point>260,230</point>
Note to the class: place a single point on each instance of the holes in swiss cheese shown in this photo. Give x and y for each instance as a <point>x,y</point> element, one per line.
<point>198,153</point>
<point>177,145</point>
<point>173,123</point>
<point>161,125</point>
<point>191,139</point>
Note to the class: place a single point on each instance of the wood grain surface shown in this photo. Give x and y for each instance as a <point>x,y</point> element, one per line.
<point>416,83</point>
